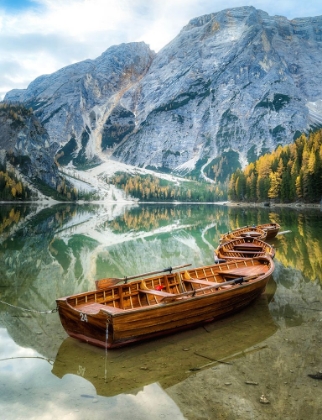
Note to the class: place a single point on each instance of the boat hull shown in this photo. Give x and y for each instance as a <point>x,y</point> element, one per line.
<point>271,229</point>
<point>248,231</point>
<point>265,231</point>
<point>131,368</point>
<point>247,247</point>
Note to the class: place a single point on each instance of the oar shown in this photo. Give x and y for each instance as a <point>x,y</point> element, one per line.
<point>104,283</point>
<point>282,233</point>
<point>238,280</point>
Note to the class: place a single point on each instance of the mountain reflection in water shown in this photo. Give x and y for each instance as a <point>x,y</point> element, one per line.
<point>57,251</point>
<point>61,250</point>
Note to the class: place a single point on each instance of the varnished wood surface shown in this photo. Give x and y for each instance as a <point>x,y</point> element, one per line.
<point>186,351</point>
<point>254,232</point>
<point>124,313</point>
<point>271,229</point>
<point>247,247</point>
<point>263,232</point>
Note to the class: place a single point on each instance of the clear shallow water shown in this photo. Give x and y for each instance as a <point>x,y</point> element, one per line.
<point>53,252</point>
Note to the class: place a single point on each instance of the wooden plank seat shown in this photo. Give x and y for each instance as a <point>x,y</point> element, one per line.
<point>244,251</point>
<point>187,278</point>
<point>251,233</point>
<point>245,271</point>
<point>207,283</point>
<point>202,282</point>
<point>248,244</point>
<point>246,247</point>
<point>94,308</point>
<point>156,292</point>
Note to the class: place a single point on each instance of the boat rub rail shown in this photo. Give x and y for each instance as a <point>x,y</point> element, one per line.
<point>133,297</point>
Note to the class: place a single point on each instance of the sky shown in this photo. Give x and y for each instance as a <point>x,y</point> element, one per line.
<point>41,36</point>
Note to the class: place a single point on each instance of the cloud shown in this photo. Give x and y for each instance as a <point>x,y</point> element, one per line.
<point>41,36</point>
<point>29,389</point>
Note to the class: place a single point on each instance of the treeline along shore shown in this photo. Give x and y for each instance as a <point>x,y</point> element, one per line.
<point>291,174</point>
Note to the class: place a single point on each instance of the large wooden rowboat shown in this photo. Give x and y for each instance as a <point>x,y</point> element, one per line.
<point>271,229</point>
<point>128,370</point>
<point>246,247</point>
<point>163,304</point>
<point>250,231</point>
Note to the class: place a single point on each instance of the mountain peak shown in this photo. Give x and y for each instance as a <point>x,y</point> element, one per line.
<point>234,83</point>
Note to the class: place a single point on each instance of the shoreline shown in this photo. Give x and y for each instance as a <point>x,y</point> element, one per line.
<point>275,205</point>
<point>51,202</point>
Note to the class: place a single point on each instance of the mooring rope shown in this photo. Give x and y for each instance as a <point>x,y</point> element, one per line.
<point>51,362</point>
<point>29,310</point>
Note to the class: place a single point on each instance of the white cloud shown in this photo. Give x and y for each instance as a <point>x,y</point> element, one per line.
<point>51,34</point>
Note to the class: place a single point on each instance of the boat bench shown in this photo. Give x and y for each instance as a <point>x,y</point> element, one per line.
<point>203,282</point>
<point>94,308</point>
<point>244,251</point>
<point>247,248</point>
<point>208,283</point>
<point>156,292</point>
<point>245,271</point>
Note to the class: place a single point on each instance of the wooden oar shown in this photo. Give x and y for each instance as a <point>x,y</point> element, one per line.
<point>238,280</point>
<point>282,233</point>
<point>108,282</point>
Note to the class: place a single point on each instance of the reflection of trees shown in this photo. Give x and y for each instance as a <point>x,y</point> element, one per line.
<point>151,217</point>
<point>35,270</point>
<point>301,248</point>
<point>11,215</point>
<point>248,216</point>
<point>26,246</point>
<point>8,220</point>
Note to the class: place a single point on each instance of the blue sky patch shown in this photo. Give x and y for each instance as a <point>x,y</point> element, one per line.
<point>16,5</point>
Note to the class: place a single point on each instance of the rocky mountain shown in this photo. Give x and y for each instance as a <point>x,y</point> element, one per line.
<point>25,144</point>
<point>75,102</point>
<point>235,83</point>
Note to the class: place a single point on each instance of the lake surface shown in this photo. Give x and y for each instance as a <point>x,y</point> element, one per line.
<point>46,253</point>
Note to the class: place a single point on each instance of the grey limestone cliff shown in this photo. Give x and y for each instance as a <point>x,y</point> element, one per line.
<point>238,80</point>
<point>25,143</point>
<point>76,101</point>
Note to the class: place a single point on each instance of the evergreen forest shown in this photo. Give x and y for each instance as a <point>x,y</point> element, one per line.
<point>152,188</point>
<point>291,173</point>
<point>12,188</point>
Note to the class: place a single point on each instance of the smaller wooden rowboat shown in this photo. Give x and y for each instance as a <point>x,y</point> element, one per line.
<point>249,231</point>
<point>247,247</point>
<point>142,309</point>
<point>271,229</point>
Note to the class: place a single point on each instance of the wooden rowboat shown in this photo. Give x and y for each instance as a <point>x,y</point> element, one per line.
<point>128,370</point>
<point>250,231</point>
<point>271,229</point>
<point>142,309</point>
<point>247,247</point>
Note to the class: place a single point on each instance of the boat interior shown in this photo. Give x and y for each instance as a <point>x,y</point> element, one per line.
<point>168,288</point>
<point>245,249</point>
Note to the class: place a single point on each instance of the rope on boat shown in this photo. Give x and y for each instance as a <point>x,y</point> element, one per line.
<point>29,310</point>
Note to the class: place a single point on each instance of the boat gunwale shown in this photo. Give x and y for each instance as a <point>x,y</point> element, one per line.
<point>226,248</point>
<point>108,309</point>
<point>124,312</point>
